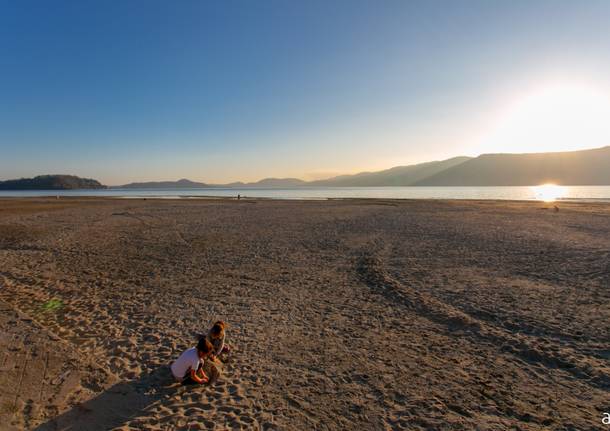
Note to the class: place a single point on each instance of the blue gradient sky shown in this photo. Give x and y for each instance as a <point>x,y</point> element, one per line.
<point>239,90</point>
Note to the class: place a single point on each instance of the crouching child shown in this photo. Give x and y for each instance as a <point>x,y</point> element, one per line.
<point>189,367</point>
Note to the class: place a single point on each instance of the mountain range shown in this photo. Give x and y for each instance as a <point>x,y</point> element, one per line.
<point>397,176</point>
<point>180,184</point>
<point>585,167</point>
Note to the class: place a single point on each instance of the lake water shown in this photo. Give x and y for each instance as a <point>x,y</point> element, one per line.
<point>547,193</point>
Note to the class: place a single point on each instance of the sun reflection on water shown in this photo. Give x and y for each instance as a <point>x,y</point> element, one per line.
<point>549,192</point>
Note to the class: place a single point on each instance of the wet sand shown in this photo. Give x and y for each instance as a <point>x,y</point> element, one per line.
<point>355,314</point>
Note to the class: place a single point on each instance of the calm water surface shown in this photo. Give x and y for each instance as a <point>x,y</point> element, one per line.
<point>548,193</point>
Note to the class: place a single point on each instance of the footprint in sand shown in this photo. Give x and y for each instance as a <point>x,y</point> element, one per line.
<point>207,406</point>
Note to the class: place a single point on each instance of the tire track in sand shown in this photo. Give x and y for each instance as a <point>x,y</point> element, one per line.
<point>372,272</point>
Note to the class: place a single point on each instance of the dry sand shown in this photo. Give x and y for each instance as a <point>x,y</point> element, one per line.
<point>343,314</point>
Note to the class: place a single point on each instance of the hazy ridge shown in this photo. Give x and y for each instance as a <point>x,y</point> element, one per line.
<point>586,167</point>
<point>397,176</point>
<point>182,184</point>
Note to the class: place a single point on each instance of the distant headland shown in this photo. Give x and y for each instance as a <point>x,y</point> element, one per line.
<point>51,182</point>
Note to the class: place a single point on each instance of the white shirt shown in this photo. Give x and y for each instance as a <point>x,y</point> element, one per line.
<point>188,360</point>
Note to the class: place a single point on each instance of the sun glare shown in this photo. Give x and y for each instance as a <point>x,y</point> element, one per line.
<point>553,118</point>
<point>549,192</point>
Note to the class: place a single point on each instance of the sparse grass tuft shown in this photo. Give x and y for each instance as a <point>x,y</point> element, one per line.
<point>52,305</point>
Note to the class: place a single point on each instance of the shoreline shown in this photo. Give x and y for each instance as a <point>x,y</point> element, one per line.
<point>493,193</point>
<point>347,198</point>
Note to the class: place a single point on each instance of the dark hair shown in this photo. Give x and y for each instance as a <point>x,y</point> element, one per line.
<point>218,328</point>
<point>204,346</point>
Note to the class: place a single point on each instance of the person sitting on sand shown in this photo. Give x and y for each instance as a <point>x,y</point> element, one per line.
<point>188,368</point>
<point>216,336</point>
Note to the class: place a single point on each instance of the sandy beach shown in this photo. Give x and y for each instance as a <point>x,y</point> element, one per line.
<point>347,314</point>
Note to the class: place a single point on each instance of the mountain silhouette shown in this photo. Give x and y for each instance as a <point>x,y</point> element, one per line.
<point>585,167</point>
<point>180,184</point>
<point>397,176</point>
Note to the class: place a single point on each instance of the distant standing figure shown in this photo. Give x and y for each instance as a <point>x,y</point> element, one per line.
<point>238,197</point>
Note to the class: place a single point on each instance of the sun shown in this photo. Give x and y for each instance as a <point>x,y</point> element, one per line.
<point>559,117</point>
<point>549,192</point>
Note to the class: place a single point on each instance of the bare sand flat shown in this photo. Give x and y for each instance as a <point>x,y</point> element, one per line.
<point>356,314</point>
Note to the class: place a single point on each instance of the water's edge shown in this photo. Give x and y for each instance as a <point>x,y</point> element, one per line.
<point>564,193</point>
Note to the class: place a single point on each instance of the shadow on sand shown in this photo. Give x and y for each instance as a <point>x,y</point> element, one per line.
<point>117,405</point>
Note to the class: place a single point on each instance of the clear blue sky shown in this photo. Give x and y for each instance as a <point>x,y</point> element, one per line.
<point>219,91</point>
